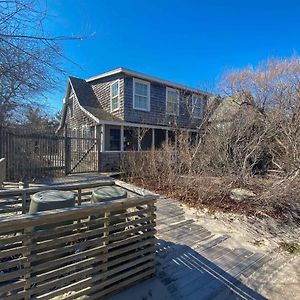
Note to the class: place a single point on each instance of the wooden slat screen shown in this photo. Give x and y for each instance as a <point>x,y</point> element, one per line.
<point>88,251</point>
<point>17,201</point>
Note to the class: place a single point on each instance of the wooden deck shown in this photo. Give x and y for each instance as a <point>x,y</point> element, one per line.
<point>193,263</point>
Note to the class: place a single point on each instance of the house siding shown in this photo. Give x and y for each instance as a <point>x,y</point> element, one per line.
<point>157,114</point>
<point>101,88</point>
<point>80,118</point>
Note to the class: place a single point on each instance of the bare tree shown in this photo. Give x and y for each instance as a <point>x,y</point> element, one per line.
<point>29,57</point>
<point>272,93</point>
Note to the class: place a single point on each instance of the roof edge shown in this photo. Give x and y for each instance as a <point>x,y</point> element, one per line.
<point>80,106</point>
<point>147,77</point>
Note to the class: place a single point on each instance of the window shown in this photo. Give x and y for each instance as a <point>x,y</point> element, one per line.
<point>85,131</point>
<point>74,132</point>
<point>141,95</point>
<point>197,106</point>
<point>115,96</point>
<point>115,139</point>
<point>93,131</point>
<point>74,141</point>
<point>172,102</point>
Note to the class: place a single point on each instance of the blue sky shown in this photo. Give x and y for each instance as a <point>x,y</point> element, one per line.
<point>189,42</point>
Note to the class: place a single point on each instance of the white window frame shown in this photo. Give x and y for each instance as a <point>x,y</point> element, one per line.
<point>193,106</point>
<point>111,85</point>
<point>168,89</point>
<point>84,129</point>
<point>148,94</point>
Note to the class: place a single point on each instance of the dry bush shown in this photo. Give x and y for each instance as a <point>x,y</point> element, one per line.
<point>272,91</point>
<point>262,135</point>
<point>150,165</point>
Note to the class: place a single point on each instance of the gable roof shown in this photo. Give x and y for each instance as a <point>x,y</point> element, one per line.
<point>87,101</point>
<point>148,78</point>
<point>227,109</point>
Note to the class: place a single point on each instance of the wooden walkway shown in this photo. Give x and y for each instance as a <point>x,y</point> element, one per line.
<point>193,263</point>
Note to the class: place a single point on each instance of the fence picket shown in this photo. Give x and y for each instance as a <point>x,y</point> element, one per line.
<point>33,155</point>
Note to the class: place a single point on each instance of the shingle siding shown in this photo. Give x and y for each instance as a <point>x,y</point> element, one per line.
<point>98,91</point>
<point>157,114</point>
<point>101,88</point>
<point>79,118</point>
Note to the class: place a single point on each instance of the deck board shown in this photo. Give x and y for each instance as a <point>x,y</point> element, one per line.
<point>194,263</point>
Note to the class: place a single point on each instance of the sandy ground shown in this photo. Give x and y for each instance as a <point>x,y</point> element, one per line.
<point>253,233</point>
<point>277,281</point>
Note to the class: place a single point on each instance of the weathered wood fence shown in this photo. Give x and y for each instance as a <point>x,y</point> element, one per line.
<point>88,251</point>
<point>34,155</point>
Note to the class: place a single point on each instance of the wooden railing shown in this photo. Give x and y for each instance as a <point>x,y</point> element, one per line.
<point>14,201</point>
<point>2,171</point>
<point>89,250</point>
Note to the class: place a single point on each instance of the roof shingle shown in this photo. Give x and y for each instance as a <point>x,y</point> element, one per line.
<point>88,100</point>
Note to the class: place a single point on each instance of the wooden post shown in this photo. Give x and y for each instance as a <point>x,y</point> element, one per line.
<point>102,138</point>
<point>24,202</point>
<point>79,196</point>
<point>153,139</point>
<point>122,138</point>
<point>98,136</point>
<point>167,136</point>
<point>68,153</point>
<point>139,139</point>
<point>1,142</point>
<point>27,265</point>
<point>2,172</point>
<point>106,242</point>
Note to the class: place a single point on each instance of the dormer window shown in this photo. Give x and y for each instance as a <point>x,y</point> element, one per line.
<point>197,103</point>
<point>172,102</point>
<point>115,96</point>
<point>141,95</point>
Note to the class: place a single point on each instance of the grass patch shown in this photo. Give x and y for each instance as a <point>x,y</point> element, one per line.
<point>292,248</point>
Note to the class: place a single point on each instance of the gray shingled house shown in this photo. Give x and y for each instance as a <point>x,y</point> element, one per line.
<point>120,105</point>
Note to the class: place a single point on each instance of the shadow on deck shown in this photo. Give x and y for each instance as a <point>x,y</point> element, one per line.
<point>186,274</point>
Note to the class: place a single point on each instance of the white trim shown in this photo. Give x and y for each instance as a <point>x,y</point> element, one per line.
<point>193,106</point>
<point>134,81</point>
<point>102,138</point>
<point>83,129</point>
<point>128,124</point>
<point>148,78</point>
<point>88,113</point>
<point>116,81</point>
<point>168,89</point>
<point>105,74</point>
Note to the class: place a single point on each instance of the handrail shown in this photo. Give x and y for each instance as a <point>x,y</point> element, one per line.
<point>19,221</point>
<point>62,187</point>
